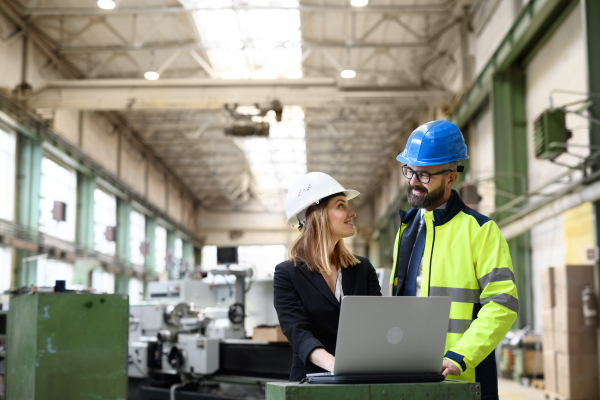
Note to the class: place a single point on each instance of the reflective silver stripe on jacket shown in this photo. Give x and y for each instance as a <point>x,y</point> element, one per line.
<point>503,299</point>
<point>456,294</point>
<point>497,275</point>
<point>459,325</point>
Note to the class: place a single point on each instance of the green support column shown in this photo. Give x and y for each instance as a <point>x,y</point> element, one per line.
<point>197,256</point>
<point>85,212</point>
<point>188,255</point>
<point>592,29</point>
<point>29,172</point>
<point>151,238</point>
<point>171,253</point>
<point>123,250</point>
<point>510,158</point>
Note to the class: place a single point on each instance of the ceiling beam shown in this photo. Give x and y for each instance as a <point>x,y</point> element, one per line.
<point>398,9</point>
<point>192,45</point>
<point>180,94</point>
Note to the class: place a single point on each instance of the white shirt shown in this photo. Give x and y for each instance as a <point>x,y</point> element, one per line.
<point>339,293</point>
<point>420,215</point>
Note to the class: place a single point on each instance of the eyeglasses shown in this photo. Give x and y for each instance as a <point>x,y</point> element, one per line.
<point>422,176</point>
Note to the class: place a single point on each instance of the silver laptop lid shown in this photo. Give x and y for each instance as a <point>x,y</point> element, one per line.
<point>391,334</point>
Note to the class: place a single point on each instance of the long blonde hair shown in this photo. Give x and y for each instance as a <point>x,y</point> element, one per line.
<point>314,242</point>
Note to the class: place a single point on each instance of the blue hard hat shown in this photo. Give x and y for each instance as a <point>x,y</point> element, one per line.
<point>433,143</point>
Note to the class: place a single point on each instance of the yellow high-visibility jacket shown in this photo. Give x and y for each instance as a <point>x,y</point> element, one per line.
<point>467,258</point>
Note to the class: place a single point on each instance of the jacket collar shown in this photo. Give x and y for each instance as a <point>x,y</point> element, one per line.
<point>453,207</point>
<point>348,280</point>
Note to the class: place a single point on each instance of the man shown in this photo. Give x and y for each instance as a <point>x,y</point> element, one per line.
<point>444,248</point>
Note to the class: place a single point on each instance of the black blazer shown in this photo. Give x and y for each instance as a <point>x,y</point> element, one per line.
<point>308,311</point>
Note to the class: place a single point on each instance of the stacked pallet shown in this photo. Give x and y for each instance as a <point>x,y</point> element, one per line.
<point>570,348</point>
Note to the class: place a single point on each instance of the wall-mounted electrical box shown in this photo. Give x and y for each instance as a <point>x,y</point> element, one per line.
<point>59,211</point>
<point>111,233</point>
<point>550,134</point>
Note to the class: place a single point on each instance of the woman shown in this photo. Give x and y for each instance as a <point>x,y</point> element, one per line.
<point>320,270</point>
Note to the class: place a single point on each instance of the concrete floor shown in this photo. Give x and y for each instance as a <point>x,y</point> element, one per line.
<point>511,390</point>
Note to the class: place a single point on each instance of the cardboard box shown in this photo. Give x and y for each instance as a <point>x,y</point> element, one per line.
<point>269,334</point>
<point>578,366</point>
<point>548,339</point>
<point>548,292</point>
<point>548,342</point>
<point>576,342</point>
<point>578,376</point>
<point>578,389</point>
<point>550,376</point>
<point>531,365</point>
<point>569,282</point>
<point>570,319</point>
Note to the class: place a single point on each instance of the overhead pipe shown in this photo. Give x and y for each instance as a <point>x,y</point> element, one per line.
<point>24,88</point>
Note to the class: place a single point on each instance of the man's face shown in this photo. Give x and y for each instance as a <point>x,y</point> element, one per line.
<point>426,195</point>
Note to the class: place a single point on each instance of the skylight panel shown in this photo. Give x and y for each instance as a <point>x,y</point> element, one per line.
<point>251,43</point>
<point>279,160</point>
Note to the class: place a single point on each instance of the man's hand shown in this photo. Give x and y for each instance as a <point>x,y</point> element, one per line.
<point>449,368</point>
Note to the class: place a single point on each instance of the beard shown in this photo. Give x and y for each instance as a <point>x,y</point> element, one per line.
<point>428,200</point>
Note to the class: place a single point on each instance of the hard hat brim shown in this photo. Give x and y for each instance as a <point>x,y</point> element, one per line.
<point>416,163</point>
<point>350,194</point>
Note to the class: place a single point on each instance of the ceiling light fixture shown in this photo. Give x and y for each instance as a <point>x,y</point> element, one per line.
<point>106,4</point>
<point>359,3</point>
<point>151,74</point>
<point>348,73</point>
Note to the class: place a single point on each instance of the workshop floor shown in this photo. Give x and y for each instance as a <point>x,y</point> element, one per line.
<point>511,390</point>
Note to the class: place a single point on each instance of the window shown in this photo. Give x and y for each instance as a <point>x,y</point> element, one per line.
<point>105,214</point>
<point>209,257</point>
<point>8,145</point>
<point>251,44</point>
<point>50,271</point>
<point>277,161</point>
<point>103,282</point>
<point>137,235</point>
<point>58,184</point>
<point>136,291</point>
<point>5,268</point>
<point>161,251</point>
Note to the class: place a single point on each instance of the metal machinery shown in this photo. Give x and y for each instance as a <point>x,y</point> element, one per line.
<point>187,334</point>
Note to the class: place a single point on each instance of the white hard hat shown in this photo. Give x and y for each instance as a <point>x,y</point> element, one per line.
<point>308,190</point>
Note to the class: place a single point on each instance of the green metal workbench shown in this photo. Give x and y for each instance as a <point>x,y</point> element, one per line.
<point>67,346</point>
<point>447,390</point>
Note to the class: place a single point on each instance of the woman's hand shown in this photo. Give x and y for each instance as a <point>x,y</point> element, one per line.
<point>321,358</point>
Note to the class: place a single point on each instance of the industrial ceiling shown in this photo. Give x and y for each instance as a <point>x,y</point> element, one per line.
<point>410,58</point>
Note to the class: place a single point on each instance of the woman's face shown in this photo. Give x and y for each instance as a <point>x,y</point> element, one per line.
<point>339,218</point>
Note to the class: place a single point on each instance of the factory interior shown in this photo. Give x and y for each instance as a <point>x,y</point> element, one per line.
<point>147,148</point>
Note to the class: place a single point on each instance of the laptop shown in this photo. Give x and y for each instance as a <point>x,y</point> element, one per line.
<point>390,336</point>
